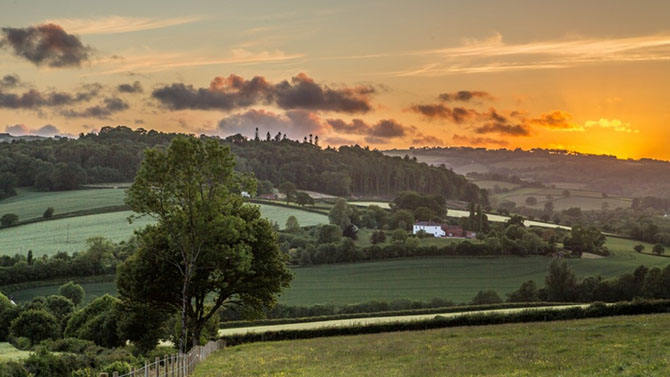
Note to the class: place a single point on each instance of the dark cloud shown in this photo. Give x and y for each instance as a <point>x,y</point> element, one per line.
<point>46,45</point>
<point>109,106</point>
<point>295,123</point>
<point>135,87</point>
<point>465,96</point>
<point>378,133</point>
<point>48,130</point>
<point>556,120</point>
<point>336,140</point>
<point>33,99</point>
<point>503,129</point>
<point>439,111</point>
<point>10,81</point>
<point>478,140</point>
<point>235,92</point>
<point>427,140</point>
<point>388,128</point>
<point>139,121</point>
<point>357,126</point>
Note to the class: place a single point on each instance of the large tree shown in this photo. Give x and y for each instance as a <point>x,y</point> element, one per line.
<point>208,248</point>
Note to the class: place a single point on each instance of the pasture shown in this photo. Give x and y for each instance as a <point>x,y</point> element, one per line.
<point>611,346</point>
<point>584,199</point>
<point>30,204</point>
<point>70,234</point>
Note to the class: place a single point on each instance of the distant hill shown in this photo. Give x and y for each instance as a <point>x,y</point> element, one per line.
<point>564,169</point>
<point>114,155</point>
<point>6,138</point>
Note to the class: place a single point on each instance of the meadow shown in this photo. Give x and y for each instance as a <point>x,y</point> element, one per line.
<point>611,346</point>
<point>9,352</point>
<point>584,199</point>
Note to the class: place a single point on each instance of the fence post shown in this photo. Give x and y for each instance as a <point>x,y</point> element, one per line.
<point>104,375</point>
<point>146,368</point>
<point>115,374</point>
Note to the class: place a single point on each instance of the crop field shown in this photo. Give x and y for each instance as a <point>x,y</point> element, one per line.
<point>9,352</point>
<point>70,234</point>
<point>92,291</point>
<point>584,199</point>
<point>369,203</point>
<point>611,346</point>
<point>29,204</point>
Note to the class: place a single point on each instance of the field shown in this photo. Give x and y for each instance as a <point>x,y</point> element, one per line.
<point>93,291</point>
<point>584,199</point>
<point>614,346</point>
<point>8,352</point>
<point>29,204</point>
<point>70,234</point>
<point>454,278</point>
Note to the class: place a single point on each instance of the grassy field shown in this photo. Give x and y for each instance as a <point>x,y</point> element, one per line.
<point>30,204</point>
<point>8,352</point>
<point>490,185</point>
<point>614,346</point>
<point>455,278</point>
<point>584,199</point>
<point>92,290</point>
<point>70,234</point>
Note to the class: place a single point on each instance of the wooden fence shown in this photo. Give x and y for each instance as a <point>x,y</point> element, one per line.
<point>177,365</point>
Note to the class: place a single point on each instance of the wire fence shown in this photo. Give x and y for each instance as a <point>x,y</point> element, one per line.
<point>176,365</point>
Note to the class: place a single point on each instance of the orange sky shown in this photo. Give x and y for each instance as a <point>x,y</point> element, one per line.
<point>586,77</point>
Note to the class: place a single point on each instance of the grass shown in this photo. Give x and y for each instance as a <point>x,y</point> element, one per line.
<point>70,234</point>
<point>614,346</point>
<point>30,204</point>
<point>454,278</point>
<point>584,199</point>
<point>92,290</point>
<point>9,352</point>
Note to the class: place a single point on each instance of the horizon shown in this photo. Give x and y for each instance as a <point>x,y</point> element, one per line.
<point>481,74</point>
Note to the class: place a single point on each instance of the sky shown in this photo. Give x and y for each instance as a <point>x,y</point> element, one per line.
<point>590,77</point>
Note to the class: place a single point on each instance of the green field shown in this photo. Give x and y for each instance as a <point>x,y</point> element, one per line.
<point>30,204</point>
<point>584,199</point>
<point>455,278</point>
<point>70,234</point>
<point>490,185</point>
<point>614,346</point>
<point>93,291</point>
<point>9,352</point>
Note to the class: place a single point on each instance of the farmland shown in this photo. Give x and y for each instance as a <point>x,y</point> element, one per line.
<point>584,199</point>
<point>70,234</point>
<point>613,346</point>
<point>454,278</point>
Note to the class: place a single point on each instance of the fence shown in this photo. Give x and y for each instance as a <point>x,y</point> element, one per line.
<point>177,365</point>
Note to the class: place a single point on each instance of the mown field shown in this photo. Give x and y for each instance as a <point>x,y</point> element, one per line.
<point>30,204</point>
<point>70,234</point>
<point>614,346</point>
<point>584,199</point>
<point>455,278</point>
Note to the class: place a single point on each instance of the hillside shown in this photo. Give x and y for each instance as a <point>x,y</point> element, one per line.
<point>563,169</point>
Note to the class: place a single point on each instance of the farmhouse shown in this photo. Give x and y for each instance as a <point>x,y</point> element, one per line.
<point>442,230</point>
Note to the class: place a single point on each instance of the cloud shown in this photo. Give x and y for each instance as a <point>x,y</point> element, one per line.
<point>465,96</point>
<point>109,106</point>
<point>295,123</point>
<point>10,81</point>
<point>428,140</point>
<point>503,129</point>
<point>387,129</point>
<point>337,140</point>
<point>614,124</point>
<point>556,120</point>
<point>135,87</point>
<point>117,24</point>
<point>377,133</point>
<point>235,92</point>
<point>440,111</point>
<point>469,140</point>
<point>46,45</point>
<point>47,130</point>
<point>33,99</point>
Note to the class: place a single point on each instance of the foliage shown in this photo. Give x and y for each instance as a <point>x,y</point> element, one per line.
<point>378,236</point>
<point>484,297</point>
<point>72,291</point>
<point>585,239</point>
<point>61,307</point>
<point>48,213</point>
<point>9,219</point>
<point>292,224</point>
<point>302,199</point>
<point>658,249</point>
<point>97,322</point>
<point>340,213</point>
<point>560,283</point>
<point>36,325</point>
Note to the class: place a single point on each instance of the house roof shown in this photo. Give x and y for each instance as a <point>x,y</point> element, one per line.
<point>427,223</point>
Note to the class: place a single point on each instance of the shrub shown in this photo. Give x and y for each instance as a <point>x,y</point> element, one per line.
<point>20,342</point>
<point>12,369</point>
<point>486,297</point>
<point>48,213</point>
<point>97,321</point>
<point>36,325</point>
<point>399,235</point>
<point>658,249</point>
<point>9,219</point>
<point>118,366</point>
<point>73,291</point>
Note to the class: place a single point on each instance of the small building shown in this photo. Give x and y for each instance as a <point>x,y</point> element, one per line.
<point>453,230</point>
<point>245,194</point>
<point>431,228</point>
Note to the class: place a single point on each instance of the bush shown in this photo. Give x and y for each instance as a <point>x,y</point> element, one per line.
<point>46,364</point>
<point>48,213</point>
<point>9,219</point>
<point>486,297</point>
<point>118,366</point>
<point>399,235</point>
<point>72,291</point>
<point>12,369</point>
<point>97,321</point>
<point>36,325</point>
<point>20,342</point>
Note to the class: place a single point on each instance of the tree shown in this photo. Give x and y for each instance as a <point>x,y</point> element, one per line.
<point>585,239</point>
<point>72,291</point>
<point>329,233</point>
<point>302,199</point>
<point>638,248</point>
<point>402,219</point>
<point>9,219</point>
<point>560,284</point>
<point>423,214</point>
<point>36,325</point>
<point>339,214</point>
<point>658,249</point>
<point>292,224</point>
<point>378,236</point>
<point>531,200</point>
<point>486,297</point>
<point>399,235</point>
<point>59,306</point>
<point>208,248</point>
<point>549,208</point>
<point>527,292</point>
<point>48,213</point>
<point>97,322</point>
<point>288,189</point>
<point>29,258</point>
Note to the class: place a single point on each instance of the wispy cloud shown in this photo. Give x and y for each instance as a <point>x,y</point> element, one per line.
<point>162,61</point>
<point>495,55</point>
<point>117,24</point>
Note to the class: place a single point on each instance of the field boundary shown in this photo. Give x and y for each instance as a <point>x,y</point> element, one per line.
<point>594,310</point>
<point>66,215</point>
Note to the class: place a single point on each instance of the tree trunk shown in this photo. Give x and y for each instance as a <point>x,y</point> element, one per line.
<point>184,302</point>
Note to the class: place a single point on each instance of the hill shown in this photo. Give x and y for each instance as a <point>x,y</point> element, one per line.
<point>559,168</point>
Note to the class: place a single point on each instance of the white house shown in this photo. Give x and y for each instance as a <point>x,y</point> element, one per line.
<point>432,228</point>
